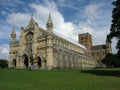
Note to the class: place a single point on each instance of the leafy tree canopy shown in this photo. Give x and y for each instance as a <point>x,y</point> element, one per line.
<point>115,26</point>
<point>3,63</point>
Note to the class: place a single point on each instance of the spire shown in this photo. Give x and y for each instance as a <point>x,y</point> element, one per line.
<point>31,16</point>
<point>13,31</point>
<point>13,36</point>
<point>31,22</point>
<point>49,19</point>
<point>49,24</point>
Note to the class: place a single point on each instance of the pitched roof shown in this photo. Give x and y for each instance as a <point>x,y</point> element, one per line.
<point>97,47</point>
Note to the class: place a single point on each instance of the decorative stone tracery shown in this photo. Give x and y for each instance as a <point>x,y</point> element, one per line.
<point>48,50</point>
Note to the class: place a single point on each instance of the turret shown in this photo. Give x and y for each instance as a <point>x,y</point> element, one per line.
<point>13,36</point>
<point>49,24</point>
<point>108,47</point>
<point>21,32</point>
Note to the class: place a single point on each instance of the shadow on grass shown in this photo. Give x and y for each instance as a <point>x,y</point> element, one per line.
<point>103,72</point>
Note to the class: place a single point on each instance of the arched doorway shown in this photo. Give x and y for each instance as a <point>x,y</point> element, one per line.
<point>39,61</point>
<point>26,63</point>
<point>14,62</point>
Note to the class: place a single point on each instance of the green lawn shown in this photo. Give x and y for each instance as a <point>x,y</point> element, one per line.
<point>102,79</point>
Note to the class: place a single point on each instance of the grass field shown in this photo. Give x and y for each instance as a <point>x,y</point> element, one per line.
<point>100,79</point>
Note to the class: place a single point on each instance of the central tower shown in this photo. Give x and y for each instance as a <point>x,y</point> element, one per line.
<point>86,40</point>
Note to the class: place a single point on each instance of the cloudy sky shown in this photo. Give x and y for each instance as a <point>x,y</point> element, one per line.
<point>70,17</point>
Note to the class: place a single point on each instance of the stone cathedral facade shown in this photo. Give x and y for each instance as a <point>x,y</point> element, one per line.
<point>44,49</point>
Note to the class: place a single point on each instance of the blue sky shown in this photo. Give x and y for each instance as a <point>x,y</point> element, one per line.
<point>70,17</point>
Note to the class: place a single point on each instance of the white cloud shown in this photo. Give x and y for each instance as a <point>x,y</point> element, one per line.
<point>4,51</point>
<point>92,12</point>
<point>67,29</point>
<point>18,19</point>
<point>114,43</point>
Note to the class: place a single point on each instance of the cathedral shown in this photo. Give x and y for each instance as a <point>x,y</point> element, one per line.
<point>44,49</point>
<point>98,52</point>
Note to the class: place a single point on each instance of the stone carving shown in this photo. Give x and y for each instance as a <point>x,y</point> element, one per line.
<point>51,50</point>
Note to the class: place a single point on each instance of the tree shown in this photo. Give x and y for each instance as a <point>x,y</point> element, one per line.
<point>111,60</point>
<point>115,26</point>
<point>3,63</point>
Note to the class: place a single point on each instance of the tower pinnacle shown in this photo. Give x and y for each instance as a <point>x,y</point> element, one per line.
<point>31,22</point>
<point>49,24</point>
<point>13,31</point>
<point>13,36</point>
<point>31,16</point>
<point>49,19</point>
